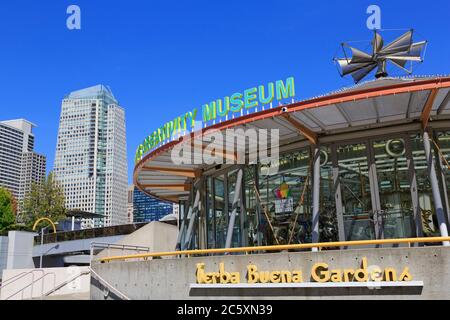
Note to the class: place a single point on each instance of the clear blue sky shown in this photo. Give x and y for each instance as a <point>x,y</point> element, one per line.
<point>162,58</point>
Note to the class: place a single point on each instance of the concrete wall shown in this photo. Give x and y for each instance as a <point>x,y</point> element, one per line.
<point>45,280</point>
<point>171,278</point>
<point>20,249</point>
<point>71,246</point>
<point>157,236</point>
<point>3,253</point>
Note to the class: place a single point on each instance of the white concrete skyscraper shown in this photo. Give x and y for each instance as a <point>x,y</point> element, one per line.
<point>91,159</point>
<point>20,166</point>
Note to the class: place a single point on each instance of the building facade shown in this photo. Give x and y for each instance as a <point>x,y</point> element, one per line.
<point>130,204</point>
<point>20,166</point>
<point>91,161</point>
<point>147,208</point>
<point>33,169</point>
<point>367,162</point>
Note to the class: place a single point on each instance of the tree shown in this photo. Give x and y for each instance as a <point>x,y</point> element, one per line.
<point>8,208</point>
<point>46,199</point>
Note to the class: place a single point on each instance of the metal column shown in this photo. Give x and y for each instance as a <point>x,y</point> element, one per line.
<point>186,213</point>
<point>237,195</point>
<point>413,188</point>
<point>435,187</point>
<point>374,192</point>
<point>338,194</point>
<point>316,196</point>
<point>193,212</point>
<point>442,184</point>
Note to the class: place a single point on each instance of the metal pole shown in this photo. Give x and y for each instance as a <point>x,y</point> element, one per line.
<point>237,193</point>
<point>316,196</point>
<point>181,230</point>
<point>42,248</point>
<point>192,220</point>
<point>435,188</point>
<point>186,212</point>
<point>73,223</point>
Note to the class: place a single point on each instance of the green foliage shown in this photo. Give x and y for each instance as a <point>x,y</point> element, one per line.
<point>7,211</point>
<point>45,199</point>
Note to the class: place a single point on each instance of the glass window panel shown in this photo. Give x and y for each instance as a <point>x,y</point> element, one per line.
<point>236,239</point>
<point>328,227</point>
<point>220,216</point>
<point>394,188</point>
<point>355,191</point>
<point>286,200</point>
<point>426,204</point>
<point>251,211</point>
<point>210,217</point>
<point>444,153</point>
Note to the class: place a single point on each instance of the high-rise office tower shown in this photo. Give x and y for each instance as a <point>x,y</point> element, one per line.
<point>130,204</point>
<point>147,208</point>
<point>32,170</point>
<point>20,166</point>
<point>91,160</point>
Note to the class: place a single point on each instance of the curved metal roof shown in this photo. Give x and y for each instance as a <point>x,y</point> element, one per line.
<point>374,104</point>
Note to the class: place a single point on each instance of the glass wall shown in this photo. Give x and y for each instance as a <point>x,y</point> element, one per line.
<point>210,215</point>
<point>426,205</point>
<point>286,200</point>
<point>355,191</point>
<point>443,141</point>
<point>328,224</point>
<point>394,187</point>
<point>237,231</point>
<point>252,209</point>
<point>365,186</point>
<point>221,216</point>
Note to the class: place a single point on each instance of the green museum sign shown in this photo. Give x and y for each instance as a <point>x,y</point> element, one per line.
<point>225,107</point>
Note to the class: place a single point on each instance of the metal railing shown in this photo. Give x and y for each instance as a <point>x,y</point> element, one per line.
<point>12,279</point>
<point>96,246</point>
<point>32,284</point>
<point>89,233</point>
<point>20,276</point>
<point>109,286</point>
<point>321,245</point>
<point>66,282</point>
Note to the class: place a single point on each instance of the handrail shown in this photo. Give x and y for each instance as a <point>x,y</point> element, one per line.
<point>32,284</point>
<point>20,276</point>
<point>66,282</point>
<point>280,247</point>
<point>119,246</point>
<point>108,285</point>
<point>108,246</point>
<point>10,280</point>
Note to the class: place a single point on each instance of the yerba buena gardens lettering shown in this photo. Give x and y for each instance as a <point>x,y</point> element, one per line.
<point>320,272</point>
<point>229,105</point>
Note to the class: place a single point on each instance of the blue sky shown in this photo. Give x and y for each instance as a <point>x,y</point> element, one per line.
<point>163,58</point>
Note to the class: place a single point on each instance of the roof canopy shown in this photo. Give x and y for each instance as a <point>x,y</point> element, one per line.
<point>375,104</point>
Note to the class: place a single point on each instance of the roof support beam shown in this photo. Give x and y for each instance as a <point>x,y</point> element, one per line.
<point>425,117</point>
<point>444,103</point>
<point>189,173</point>
<point>223,153</point>
<point>375,107</point>
<point>341,110</point>
<point>314,119</point>
<point>173,187</point>
<point>308,133</point>
<point>411,101</point>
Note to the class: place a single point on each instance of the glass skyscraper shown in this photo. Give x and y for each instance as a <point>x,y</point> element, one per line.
<point>147,208</point>
<point>91,160</point>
